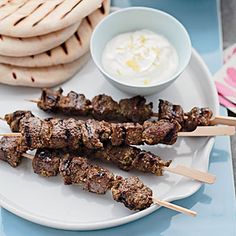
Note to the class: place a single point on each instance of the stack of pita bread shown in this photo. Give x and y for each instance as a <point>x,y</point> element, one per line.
<point>45,42</point>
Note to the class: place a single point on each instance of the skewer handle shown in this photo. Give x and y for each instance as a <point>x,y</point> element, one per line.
<point>174,207</point>
<point>11,134</point>
<point>204,131</point>
<point>224,120</point>
<point>192,173</point>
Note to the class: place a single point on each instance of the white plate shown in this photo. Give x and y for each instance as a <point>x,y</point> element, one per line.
<point>47,201</point>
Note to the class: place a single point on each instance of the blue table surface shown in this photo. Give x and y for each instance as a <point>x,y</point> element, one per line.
<point>216,203</point>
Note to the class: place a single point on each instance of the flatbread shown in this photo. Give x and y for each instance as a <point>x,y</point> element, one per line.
<point>29,18</point>
<point>40,77</point>
<point>72,49</point>
<point>21,47</point>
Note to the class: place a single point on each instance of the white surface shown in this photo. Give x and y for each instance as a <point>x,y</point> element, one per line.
<point>47,201</point>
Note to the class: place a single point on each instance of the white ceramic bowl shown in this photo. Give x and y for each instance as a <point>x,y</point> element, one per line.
<point>137,18</point>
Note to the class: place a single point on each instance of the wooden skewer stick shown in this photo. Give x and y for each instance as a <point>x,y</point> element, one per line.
<point>155,201</point>
<point>224,120</point>
<point>32,100</point>
<point>200,131</point>
<point>174,207</point>
<point>192,173</point>
<point>204,131</point>
<point>1,118</point>
<point>11,134</point>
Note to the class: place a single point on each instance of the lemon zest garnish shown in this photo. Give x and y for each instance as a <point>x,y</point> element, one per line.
<point>143,39</point>
<point>133,65</point>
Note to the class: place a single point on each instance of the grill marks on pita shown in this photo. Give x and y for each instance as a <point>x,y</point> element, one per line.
<point>67,13</point>
<point>48,13</point>
<point>25,17</point>
<point>27,14</point>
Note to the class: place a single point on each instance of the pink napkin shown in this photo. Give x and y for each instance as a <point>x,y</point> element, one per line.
<point>225,79</point>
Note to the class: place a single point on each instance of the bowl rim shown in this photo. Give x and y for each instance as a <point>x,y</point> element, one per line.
<point>148,9</point>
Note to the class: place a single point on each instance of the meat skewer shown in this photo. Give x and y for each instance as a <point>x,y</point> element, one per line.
<point>135,109</point>
<point>93,178</point>
<point>70,133</point>
<point>62,133</point>
<point>125,157</point>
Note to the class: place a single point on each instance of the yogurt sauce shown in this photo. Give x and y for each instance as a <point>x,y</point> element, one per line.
<point>140,58</point>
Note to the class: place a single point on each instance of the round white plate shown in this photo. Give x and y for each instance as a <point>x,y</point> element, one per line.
<point>48,202</point>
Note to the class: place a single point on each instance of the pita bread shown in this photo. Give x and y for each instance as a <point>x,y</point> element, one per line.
<point>29,18</point>
<point>21,47</point>
<point>69,51</point>
<point>40,77</point>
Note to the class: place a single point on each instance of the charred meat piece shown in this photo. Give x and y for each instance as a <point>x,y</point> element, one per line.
<point>162,131</point>
<point>73,170</point>
<point>77,170</point>
<point>117,134</point>
<point>132,193</point>
<point>121,156</point>
<point>98,180</point>
<point>148,162</point>
<point>168,111</point>
<point>197,117</point>
<point>94,133</point>
<point>46,162</point>
<point>13,119</point>
<point>30,129</point>
<point>10,150</point>
<point>133,133</point>
<point>135,109</point>
<point>74,104</point>
<point>104,106</point>
<point>49,99</point>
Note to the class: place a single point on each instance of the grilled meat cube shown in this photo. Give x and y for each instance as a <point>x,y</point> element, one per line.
<point>59,134</point>
<point>74,104</point>
<point>197,117</point>
<point>135,109</point>
<point>13,119</point>
<point>10,150</point>
<point>132,193</point>
<point>73,170</point>
<point>104,107</point>
<point>46,162</point>
<point>45,133</point>
<point>30,129</point>
<point>168,111</point>
<point>73,133</point>
<point>122,156</point>
<point>98,180</point>
<point>162,131</point>
<point>133,134</point>
<point>117,134</point>
<point>77,170</point>
<point>49,99</point>
<point>148,162</point>
<point>94,133</point>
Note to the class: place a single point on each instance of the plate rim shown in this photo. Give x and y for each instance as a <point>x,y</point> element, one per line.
<point>130,218</point>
